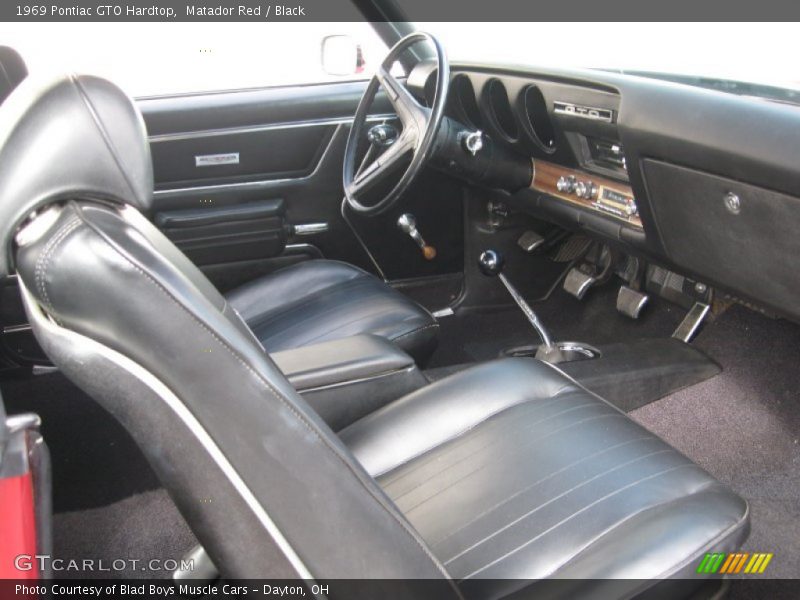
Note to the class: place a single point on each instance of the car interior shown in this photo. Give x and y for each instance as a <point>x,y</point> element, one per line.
<point>478,325</point>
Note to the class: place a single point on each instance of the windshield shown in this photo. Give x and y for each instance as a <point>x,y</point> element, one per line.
<point>710,54</point>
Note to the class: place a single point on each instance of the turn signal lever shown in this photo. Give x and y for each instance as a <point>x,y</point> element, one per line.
<point>408,224</point>
<point>491,263</point>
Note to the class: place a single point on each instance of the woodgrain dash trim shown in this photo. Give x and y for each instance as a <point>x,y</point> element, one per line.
<point>546,175</point>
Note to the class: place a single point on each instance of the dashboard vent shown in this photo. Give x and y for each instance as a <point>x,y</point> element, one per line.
<point>607,153</point>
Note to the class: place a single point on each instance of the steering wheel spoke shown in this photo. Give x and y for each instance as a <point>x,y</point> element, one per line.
<point>367,177</point>
<point>414,145</point>
<point>411,113</point>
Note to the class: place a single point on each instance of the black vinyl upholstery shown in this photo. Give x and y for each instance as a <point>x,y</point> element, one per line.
<point>322,300</point>
<point>509,470</point>
<point>12,71</point>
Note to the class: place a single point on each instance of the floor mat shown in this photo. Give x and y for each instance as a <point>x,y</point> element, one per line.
<point>743,426</point>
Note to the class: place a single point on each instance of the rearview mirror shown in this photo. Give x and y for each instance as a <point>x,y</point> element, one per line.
<point>341,55</point>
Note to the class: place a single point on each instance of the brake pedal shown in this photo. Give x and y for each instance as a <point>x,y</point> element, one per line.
<point>631,302</point>
<point>577,282</point>
<point>530,241</point>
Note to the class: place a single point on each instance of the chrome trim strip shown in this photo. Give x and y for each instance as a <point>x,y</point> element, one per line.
<point>339,384</point>
<point>183,413</point>
<point>310,228</point>
<point>190,135</point>
<point>16,328</point>
<point>302,248</point>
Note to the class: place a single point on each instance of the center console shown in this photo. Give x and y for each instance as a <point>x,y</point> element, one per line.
<point>346,379</point>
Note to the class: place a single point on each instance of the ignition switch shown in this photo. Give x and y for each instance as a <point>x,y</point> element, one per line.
<point>472,142</point>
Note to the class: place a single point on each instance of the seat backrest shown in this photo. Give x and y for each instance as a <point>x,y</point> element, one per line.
<point>266,486</point>
<point>12,71</point>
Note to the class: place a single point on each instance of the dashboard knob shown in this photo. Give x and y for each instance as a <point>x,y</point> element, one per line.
<point>566,184</point>
<point>586,190</point>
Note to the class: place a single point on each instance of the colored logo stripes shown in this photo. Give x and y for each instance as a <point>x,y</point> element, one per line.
<point>735,562</point>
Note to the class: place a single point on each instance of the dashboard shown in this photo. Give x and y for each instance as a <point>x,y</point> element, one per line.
<point>700,181</point>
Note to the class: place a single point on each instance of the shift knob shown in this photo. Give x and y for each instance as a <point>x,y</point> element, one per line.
<point>407,223</point>
<point>491,262</point>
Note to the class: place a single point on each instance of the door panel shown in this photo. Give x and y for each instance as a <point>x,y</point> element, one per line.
<point>279,201</point>
<point>286,144</point>
<point>218,234</point>
<point>278,144</point>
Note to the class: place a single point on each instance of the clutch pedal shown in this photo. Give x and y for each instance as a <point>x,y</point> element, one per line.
<point>631,302</point>
<point>577,282</point>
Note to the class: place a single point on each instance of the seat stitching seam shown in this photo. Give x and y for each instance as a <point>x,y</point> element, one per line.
<point>465,430</point>
<point>282,311</point>
<point>553,499</point>
<point>515,449</point>
<point>536,483</point>
<point>276,336</point>
<point>544,404</point>
<point>308,425</point>
<point>588,506</point>
<point>45,258</point>
<point>413,331</point>
<point>100,126</point>
<point>621,522</point>
<point>291,306</point>
<point>728,531</point>
<point>481,468</point>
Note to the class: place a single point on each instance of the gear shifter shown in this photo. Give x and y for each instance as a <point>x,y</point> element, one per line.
<point>491,263</point>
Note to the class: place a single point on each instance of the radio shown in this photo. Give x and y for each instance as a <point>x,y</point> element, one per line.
<point>616,203</point>
<point>590,191</point>
<point>601,197</point>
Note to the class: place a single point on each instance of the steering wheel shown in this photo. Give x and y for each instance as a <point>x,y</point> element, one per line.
<point>420,127</point>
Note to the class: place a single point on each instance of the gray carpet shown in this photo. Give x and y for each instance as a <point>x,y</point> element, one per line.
<point>743,426</point>
<point>145,527</point>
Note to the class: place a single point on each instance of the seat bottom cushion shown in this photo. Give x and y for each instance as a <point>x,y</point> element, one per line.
<point>512,471</point>
<point>321,300</point>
